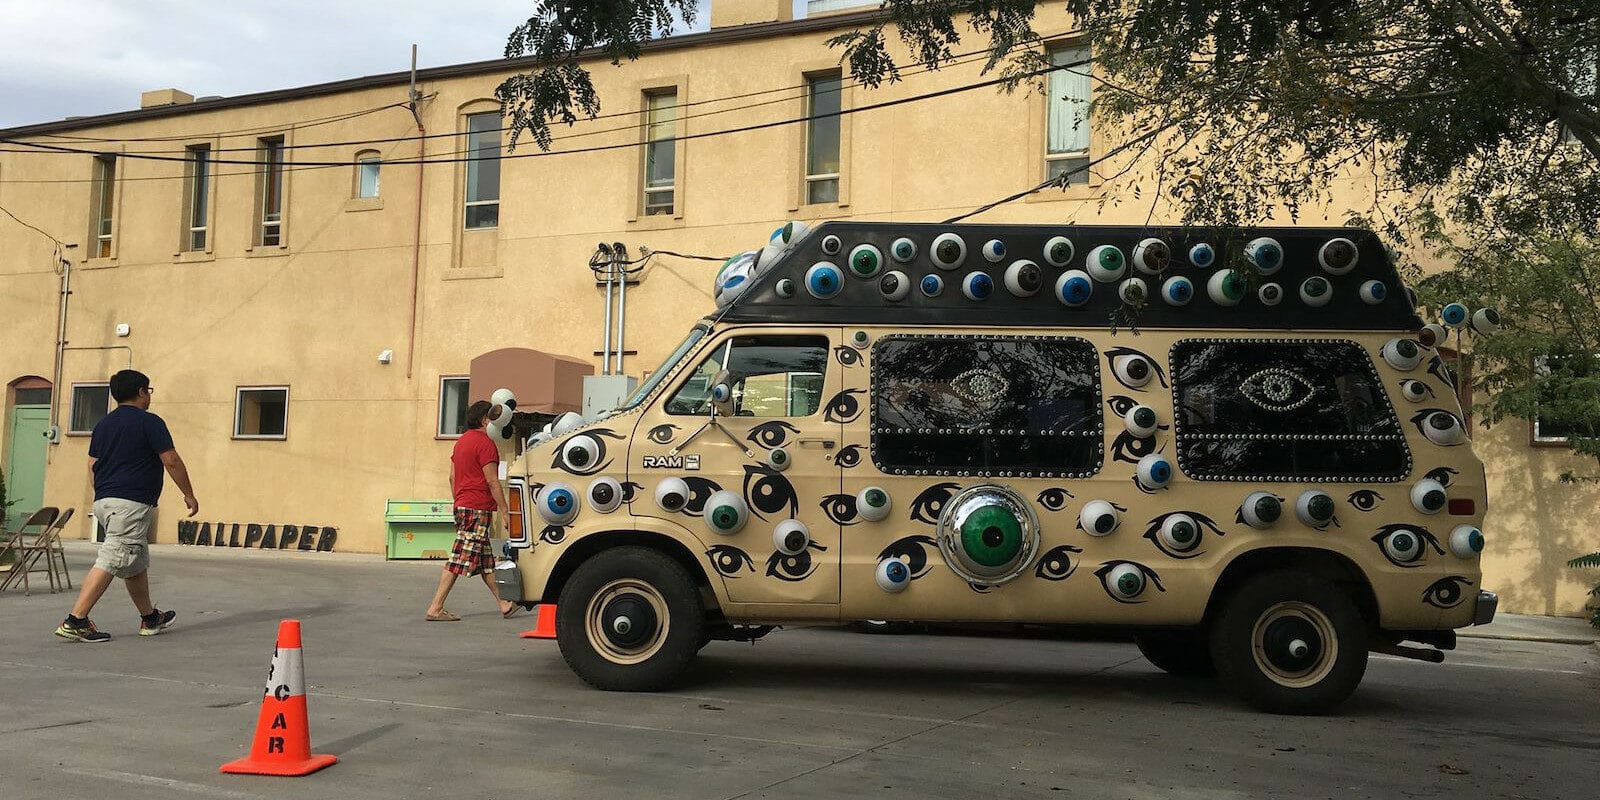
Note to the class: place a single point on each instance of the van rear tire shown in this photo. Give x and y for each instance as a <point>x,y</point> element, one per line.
<point>1290,643</point>
<point>1185,654</point>
<point>630,620</point>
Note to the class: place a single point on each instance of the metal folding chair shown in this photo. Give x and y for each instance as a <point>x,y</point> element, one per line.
<point>23,543</point>
<point>57,554</point>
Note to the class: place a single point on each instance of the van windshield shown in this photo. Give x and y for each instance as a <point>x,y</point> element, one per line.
<point>694,337</point>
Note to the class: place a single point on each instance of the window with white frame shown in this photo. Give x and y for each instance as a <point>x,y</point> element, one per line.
<point>90,404</point>
<point>368,165</point>
<point>1067,116</point>
<point>261,412</point>
<point>822,137</point>
<point>196,197</point>
<point>660,151</point>
<point>453,406</point>
<point>104,203</point>
<point>482,197</point>
<point>269,180</point>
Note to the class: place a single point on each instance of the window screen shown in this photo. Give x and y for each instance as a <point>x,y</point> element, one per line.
<point>1264,410</point>
<point>979,406</point>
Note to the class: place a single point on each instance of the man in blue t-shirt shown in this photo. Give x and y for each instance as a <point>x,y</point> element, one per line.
<point>127,453</point>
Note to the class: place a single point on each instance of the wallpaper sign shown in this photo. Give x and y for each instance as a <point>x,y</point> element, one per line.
<point>252,535</point>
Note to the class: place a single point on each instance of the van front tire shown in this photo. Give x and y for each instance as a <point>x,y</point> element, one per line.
<point>630,619</point>
<point>1290,643</point>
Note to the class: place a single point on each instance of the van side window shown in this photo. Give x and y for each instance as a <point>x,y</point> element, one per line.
<point>772,376</point>
<point>1283,410</point>
<point>1022,406</point>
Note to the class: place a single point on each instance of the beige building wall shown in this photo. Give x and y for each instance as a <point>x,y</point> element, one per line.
<point>314,313</point>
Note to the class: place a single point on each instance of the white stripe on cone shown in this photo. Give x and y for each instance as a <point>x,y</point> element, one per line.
<point>287,676</point>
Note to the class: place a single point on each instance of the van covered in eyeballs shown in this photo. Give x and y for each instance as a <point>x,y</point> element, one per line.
<point>1241,445</point>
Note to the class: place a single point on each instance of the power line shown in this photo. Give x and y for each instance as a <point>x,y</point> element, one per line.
<point>31,227</point>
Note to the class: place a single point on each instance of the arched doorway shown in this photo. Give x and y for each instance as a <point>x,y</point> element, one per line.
<point>26,422</point>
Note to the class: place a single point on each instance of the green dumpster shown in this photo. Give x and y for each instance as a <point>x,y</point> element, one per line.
<point>420,528</point>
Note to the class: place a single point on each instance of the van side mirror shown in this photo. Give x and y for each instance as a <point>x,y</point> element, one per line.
<point>722,394</point>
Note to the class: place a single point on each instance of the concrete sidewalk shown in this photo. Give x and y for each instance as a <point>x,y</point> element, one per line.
<point>1532,628</point>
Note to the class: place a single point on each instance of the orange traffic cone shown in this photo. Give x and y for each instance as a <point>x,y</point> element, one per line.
<point>282,743</point>
<point>545,627</point>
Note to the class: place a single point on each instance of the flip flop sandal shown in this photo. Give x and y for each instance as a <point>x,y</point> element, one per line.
<point>512,611</point>
<point>443,616</point>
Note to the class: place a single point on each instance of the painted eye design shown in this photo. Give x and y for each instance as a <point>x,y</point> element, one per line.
<point>1405,545</point>
<point>1126,581</point>
<point>584,453</point>
<point>1057,563</point>
<point>846,355</point>
<point>662,434</point>
<point>1180,533</point>
<point>1121,404</point>
<point>630,490</point>
<point>1364,499</point>
<point>768,492</point>
<point>1444,475</point>
<point>844,407</point>
<point>1278,390</point>
<point>849,456</point>
<point>1438,369</point>
<point>1132,368</point>
<point>840,509</point>
<point>1439,426</point>
<point>1054,498</point>
<point>729,561</point>
<point>1414,390</point>
<point>795,567</point>
<point>553,534</point>
<point>1447,592</point>
<point>913,550</point>
<point>927,506</point>
<point>1130,448</point>
<point>700,491</point>
<point>771,434</point>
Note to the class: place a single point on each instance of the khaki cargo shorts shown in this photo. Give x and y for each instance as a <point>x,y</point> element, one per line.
<point>126,551</point>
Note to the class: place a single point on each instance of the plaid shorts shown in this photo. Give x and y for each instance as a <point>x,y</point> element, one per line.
<point>470,554</point>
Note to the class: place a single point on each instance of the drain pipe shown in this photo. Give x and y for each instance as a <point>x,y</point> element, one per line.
<point>619,260</point>
<point>416,235</point>
<point>603,255</point>
<point>61,342</point>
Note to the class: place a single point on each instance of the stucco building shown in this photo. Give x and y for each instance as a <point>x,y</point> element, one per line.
<point>309,315</point>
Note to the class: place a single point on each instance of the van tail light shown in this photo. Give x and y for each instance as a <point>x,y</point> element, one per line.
<point>1462,507</point>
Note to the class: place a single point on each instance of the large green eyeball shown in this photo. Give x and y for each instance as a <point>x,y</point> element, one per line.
<point>1402,546</point>
<point>1180,532</point>
<point>1023,278</point>
<point>605,494</point>
<point>865,261</point>
<point>903,250</point>
<point>1485,321</point>
<point>791,537</point>
<point>1126,580</point>
<point>726,512</point>
<point>1151,256</point>
<point>1225,287</point>
<point>1314,507</point>
<point>1402,354</point>
<point>948,251</point>
<point>1261,509</point>
<point>1099,518</point>
<point>1141,421</point>
<point>1337,256</point>
<point>1429,496</point>
<point>873,504</point>
<point>991,536</point>
<point>987,534</point>
<point>1315,291</point>
<point>1265,253</point>
<point>1058,251</point>
<point>1105,264</point>
<point>1466,541</point>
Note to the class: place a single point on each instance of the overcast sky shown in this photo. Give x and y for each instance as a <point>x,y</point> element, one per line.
<point>76,57</point>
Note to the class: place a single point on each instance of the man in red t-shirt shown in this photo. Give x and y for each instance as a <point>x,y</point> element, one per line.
<point>475,482</point>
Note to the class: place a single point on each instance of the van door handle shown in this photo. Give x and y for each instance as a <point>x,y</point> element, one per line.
<point>826,444</point>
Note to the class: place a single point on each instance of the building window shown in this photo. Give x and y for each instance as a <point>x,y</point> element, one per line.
<point>270,228</point>
<point>196,196</point>
<point>104,205</point>
<point>660,151</point>
<point>261,412</point>
<point>31,397</point>
<point>772,376</point>
<point>483,171</point>
<point>822,138</point>
<point>90,404</point>
<point>367,166</point>
<point>1067,122</point>
<point>453,406</point>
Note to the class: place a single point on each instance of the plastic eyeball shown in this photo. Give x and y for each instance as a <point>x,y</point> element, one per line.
<point>1141,421</point>
<point>1151,256</point>
<point>1442,428</point>
<point>932,286</point>
<point>1155,471</point>
<point>566,423</point>
<point>721,393</point>
<point>1180,533</point>
<point>504,397</point>
<point>1058,251</point>
<point>860,339</point>
<point>1373,292</point>
<point>948,251</point>
<point>1337,256</point>
<point>1485,321</point>
<point>1074,288</point>
<point>1133,291</point>
<point>903,250</point>
<point>1432,335</point>
<point>1099,518</point>
<point>791,537</point>
<point>1202,255</point>
<point>1428,496</point>
<point>785,288</point>
<point>765,258</point>
<point>778,458</point>
<point>1402,354</point>
<point>1402,546</point>
<point>580,452</point>
<point>872,504</point>
<point>1261,509</point>
<point>1177,291</point>
<point>1315,291</point>
<point>605,494</point>
<point>733,283</point>
<point>790,233</point>
<point>726,512</point>
<point>823,280</point>
<point>1270,294</point>
<point>1023,278</point>
<point>672,494</point>
<point>831,245</point>
<point>1133,370</point>
<point>994,251</point>
<point>1105,264</point>
<point>977,286</point>
<point>1454,315</point>
<point>894,286</point>
<point>1314,507</point>
<point>1127,580</point>
<point>1414,390</point>
<point>557,503</point>
<point>893,575</point>
<point>865,261</point>
<point>1466,541</point>
<point>1265,253</point>
<point>1225,287</point>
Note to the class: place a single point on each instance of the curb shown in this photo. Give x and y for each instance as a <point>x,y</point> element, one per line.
<point>1531,637</point>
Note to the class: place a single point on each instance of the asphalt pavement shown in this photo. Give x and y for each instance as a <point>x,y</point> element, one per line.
<point>415,708</point>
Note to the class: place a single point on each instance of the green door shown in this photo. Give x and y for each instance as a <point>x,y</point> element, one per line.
<point>25,446</point>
